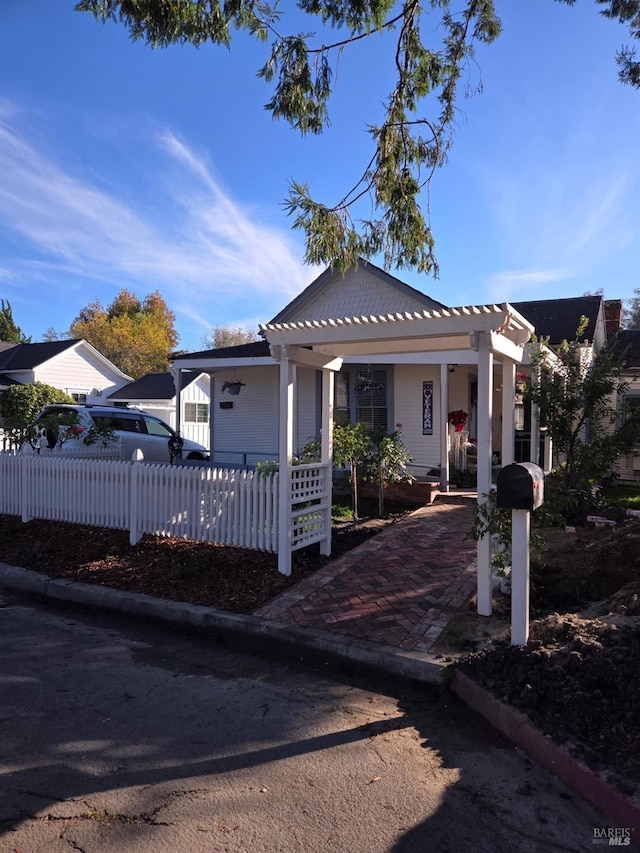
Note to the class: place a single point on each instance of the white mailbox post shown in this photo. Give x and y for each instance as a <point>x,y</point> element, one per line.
<point>520,488</point>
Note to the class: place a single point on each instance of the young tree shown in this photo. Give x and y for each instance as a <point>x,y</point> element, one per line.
<point>352,446</point>
<point>577,400</point>
<point>387,463</point>
<point>229,336</point>
<point>415,134</point>
<point>9,330</point>
<point>137,336</point>
<point>20,405</point>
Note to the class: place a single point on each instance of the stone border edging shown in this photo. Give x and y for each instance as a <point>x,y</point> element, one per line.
<point>615,806</point>
<point>415,666</point>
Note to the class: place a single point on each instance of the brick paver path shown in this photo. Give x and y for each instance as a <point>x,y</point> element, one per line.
<point>400,588</point>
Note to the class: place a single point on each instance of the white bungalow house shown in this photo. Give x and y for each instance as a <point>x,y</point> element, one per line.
<point>417,359</point>
<point>156,394</point>
<point>407,387</point>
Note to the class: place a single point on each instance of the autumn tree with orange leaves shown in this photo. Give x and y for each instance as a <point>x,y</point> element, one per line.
<point>137,336</point>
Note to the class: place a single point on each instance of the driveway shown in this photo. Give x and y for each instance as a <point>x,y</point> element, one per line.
<point>116,736</point>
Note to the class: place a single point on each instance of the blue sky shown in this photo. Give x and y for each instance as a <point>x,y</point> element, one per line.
<point>160,170</point>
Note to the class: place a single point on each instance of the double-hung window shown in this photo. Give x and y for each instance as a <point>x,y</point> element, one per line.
<point>196,413</point>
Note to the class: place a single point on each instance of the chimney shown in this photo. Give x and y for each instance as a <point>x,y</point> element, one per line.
<point>613,316</point>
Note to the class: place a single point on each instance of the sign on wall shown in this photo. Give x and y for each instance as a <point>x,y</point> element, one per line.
<point>427,408</point>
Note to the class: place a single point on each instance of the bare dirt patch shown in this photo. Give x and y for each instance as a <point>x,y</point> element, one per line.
<point>577,679</point>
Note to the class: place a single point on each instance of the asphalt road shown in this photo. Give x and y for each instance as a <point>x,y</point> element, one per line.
<point>118,737</point>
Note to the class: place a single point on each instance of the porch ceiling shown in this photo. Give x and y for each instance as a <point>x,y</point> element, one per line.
<point>446,330</point>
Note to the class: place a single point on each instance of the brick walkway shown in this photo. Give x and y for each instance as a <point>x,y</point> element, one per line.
<point>400,588</point>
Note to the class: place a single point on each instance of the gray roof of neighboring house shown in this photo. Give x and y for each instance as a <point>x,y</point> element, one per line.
<point>627,343</point>
<point>28,356</point>
<point>558,318</point>
<point>153,386</point>
<point>257,349</point>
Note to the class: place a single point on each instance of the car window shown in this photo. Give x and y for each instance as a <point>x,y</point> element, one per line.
<point>155,427</point>
<point>104,421</point>
<point>125,424</point>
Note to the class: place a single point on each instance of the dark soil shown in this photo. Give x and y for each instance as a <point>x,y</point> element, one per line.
<point>232,579</point>
<point>578,679</point>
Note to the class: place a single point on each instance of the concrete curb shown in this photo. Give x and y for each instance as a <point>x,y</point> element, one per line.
<point>619,809</point>
<point>241,629</point>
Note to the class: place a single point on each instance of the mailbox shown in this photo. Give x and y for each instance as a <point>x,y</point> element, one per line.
<point>520,486</point>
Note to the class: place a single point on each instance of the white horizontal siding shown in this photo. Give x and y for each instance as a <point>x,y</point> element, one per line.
<point>78,371</point>
<point>306,425</point>
<point>251,426</point>
<point>407,398</point>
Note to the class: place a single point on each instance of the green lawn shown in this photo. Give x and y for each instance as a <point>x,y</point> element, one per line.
<point>626,496</point>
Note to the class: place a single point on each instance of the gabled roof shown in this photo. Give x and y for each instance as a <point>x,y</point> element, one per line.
<point>291,311</point>
<point>558,318</point>
<point>256,349</point>
<point>153,386</point>
<point>627,344</point>
<point>28,356</point>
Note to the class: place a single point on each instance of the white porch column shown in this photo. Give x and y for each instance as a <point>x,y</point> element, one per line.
<point>327,451</point>
<point>177,381</point>
<point>508,408</point>
<point>534,449</point>
<point>444,427</point>
<point>485,412</point>
<point>285,452</point>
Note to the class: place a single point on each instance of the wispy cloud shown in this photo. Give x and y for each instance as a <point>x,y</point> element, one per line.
<point>190,237</point>
<point>519,284</point>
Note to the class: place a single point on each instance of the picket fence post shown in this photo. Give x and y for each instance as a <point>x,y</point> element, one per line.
<point>134,535</point>
<point>24,488</point>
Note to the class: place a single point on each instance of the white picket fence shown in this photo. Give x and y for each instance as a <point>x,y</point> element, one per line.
<point>225,506</point>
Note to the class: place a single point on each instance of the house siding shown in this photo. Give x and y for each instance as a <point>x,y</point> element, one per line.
<point>251,426</point>
<point>306,420</point>
<point>628,466</point>
<point>78,371</point>
<point>357,294</point>
<point>196,392</point>
<point>408,379</point>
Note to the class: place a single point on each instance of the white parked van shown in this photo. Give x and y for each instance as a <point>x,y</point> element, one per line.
<point>134,429</point>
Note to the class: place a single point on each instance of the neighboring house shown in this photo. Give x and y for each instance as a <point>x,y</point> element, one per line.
<point>156,394</point>
<point>628,345</point>
<point>73,366</point>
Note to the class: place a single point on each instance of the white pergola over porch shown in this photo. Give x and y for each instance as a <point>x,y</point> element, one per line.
<point>479,334</point>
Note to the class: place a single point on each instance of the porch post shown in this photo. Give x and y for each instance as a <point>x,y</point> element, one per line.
<point>485,412</point>
<point>285,455</point>
<point>508,404</point>
<point>444,428</point>
<point>327,453</point>
<point>177,381</point>
<point>534,448</point>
